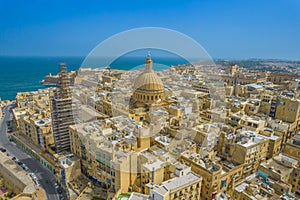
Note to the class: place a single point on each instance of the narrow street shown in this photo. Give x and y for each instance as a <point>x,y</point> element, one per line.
<point>45,177</point>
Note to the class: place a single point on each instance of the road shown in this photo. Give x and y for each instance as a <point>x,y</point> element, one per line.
<point>34,166</point>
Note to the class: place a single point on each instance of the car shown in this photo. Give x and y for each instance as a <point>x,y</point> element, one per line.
<point>13,158</point>
<point>37,183</point>
<point>32,175</point>
<point>2,149</point>
<point>24,167</point>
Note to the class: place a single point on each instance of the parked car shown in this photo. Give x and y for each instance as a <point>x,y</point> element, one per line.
<point>37,183</point>
<point>24,167</point>
<point>33,176</point>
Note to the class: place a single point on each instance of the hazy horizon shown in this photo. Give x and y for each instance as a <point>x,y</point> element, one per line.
<point>141,56</point>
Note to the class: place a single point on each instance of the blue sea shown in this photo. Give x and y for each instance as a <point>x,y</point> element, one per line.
<point>20,74</point>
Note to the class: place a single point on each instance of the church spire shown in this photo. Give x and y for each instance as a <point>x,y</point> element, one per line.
<point>148,63</point>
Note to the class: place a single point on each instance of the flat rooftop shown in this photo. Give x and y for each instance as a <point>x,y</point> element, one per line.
<point>138,196</point>
<point>14,170</point>
<point>177,182</point>
<point>154,165</point>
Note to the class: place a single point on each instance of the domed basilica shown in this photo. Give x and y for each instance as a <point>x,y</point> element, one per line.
<point>149,89</point>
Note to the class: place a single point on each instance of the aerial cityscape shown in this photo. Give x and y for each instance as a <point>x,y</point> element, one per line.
<point>138,101</point>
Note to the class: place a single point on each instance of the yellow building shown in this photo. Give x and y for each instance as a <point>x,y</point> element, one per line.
<point>107,157</point>
<point>279,78</point>
<point>232,173</point>
<point>268,102</point>
<point>251,107</point>
<point>285,130</point>
<point>15,178</point>
<point>239,119</point>
<point>68,169</point>
<point>232,69</point>
<point>213,115</point>
<point>152,173</point>
<point>292,148</point>
<point>283,168</point>
<point>279,168</point>
<point>186,186</point>
<point>252,123</point>
<point>33,116</point>
<point>280,107</point>
<point>274,141</point>
<point>210,172</point>
<point>39,194</point>
<point>260,186</point>
<point>200,132</point>
<point>287,109</point>
<point>249,150</point>
<point>294,181</point>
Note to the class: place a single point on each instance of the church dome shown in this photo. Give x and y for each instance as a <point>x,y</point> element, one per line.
<point>148,86</point>
<point>148,81</point>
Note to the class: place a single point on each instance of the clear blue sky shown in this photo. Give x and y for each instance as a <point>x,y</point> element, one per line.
<point>225,28</point>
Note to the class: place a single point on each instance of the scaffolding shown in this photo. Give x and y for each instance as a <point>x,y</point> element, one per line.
<point>62,112</point>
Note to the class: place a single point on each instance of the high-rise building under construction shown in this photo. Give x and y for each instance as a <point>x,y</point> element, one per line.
<point>62,112</point>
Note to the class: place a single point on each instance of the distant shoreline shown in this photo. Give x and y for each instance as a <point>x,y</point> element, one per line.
<point>24,73</point>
